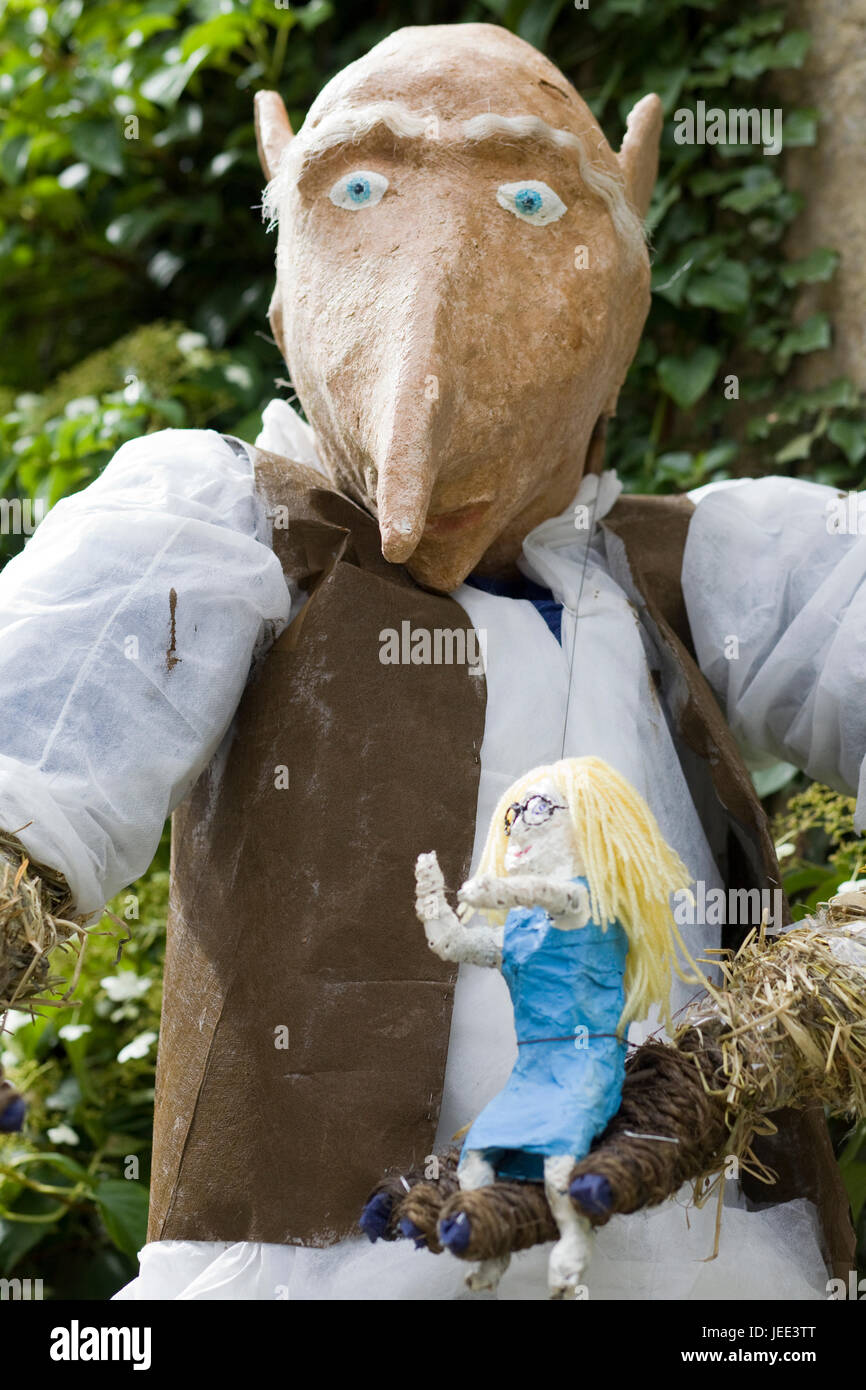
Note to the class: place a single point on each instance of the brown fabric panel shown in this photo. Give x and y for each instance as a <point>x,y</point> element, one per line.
<point>295,907</point>
<point>653,531</point>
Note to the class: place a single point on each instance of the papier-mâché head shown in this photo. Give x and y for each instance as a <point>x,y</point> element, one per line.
<point>461,285</point>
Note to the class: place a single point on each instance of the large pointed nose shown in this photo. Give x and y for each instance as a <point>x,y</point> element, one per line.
<point>406,474</point>
<point>410,414</point>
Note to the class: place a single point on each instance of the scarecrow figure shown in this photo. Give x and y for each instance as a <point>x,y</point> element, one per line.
<point>209,629</point>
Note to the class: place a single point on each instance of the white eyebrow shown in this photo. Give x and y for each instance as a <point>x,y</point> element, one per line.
<point>607,186</point>
<point>346,127</point>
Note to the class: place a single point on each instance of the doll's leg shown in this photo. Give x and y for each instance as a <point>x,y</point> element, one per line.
<point>476,1171</point>
<point>569,1257</point>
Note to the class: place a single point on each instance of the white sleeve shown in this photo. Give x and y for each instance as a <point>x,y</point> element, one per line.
<point>774,579</point>
<point>127,627</point>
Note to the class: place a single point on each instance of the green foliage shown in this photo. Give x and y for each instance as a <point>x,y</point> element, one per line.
<point>156,377</point>
<point>73,1186</point>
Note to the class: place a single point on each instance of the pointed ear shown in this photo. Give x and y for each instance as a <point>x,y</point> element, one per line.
<point>639,154</point>
<point>273,131</point>
<point>275,318</point>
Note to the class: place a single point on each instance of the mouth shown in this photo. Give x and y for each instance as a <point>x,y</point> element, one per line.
<point>440,525</point>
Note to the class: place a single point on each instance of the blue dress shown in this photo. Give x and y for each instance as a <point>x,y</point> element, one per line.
<point>568,994</point>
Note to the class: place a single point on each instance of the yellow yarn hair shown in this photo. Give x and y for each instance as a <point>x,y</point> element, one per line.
<point>630,870</point>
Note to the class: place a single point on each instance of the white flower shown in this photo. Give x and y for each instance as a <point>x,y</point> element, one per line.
<point>785,850</point>
<point>16,1020</point>
<point>852,885</point>
<point>139,1047</point>
<point>71,1032</point>
<point>125,985</point>
<point>63,1134</point>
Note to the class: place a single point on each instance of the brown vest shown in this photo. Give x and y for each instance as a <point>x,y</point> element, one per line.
<point>305,1021</point>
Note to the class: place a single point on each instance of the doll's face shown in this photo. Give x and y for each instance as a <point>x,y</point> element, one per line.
<point>455,303</point>
<point>540,836</point>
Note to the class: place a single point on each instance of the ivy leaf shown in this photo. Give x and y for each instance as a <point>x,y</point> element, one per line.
<point>13,158</point>
<point>97,143</point>
<point>123,1207</point>
<point>811,335</point>
<point>748,199</point>
<point>797,448</point>
<point>131,227</point>
<point>166,86</point>
<point>725,288</point>
<point>800,128</point>
<point>817,266</point>
<point>314,14</point>
<point>686,379</point>
<point>850,436</point>
<point>791,49</point>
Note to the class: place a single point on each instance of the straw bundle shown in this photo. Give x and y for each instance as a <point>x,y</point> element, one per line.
<point>33,904</point>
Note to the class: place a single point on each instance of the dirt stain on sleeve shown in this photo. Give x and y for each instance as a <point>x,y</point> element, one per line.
<point>170,659</point>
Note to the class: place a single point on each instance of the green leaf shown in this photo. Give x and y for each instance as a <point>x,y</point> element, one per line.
<point>811,335</point>
<point>538,19</point>
<point>16,1239</point>
<point>791,49</point>
<point>686,379</point>
<point>223,32</point>
<point>800,128</point>
<point>314,14</point>
<point>819,265</point>
<point>166,85</point>
<point>797,448</point>
<point>98,144</point>
<point>13,158</point>
<point>725,288</point>
<point>746,200</point>
<point>850,436</point>
<point>852,1163</point>
<point>123,1207</point>
<point>806,877</point>
<point>132,227</point>
<point>768,780</point>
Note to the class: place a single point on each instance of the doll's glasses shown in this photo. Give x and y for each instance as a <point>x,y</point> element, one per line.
<point>535,810</point>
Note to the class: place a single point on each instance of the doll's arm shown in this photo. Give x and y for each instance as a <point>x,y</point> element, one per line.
<point>556,896</point>
<point>447,935</point>
<point>127,627</point>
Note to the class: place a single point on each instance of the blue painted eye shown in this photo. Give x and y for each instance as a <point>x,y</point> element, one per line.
<point>527,200</point>
<point>531,201</point>
<point>361,189</point>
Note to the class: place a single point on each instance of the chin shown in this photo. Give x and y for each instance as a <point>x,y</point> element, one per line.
<point>436,569</point>
<point>442,565</point>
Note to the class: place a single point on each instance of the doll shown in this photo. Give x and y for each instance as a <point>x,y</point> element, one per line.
<point>576,858</point>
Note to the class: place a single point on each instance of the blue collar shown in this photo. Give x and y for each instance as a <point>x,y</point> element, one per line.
<point>520,587</point>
